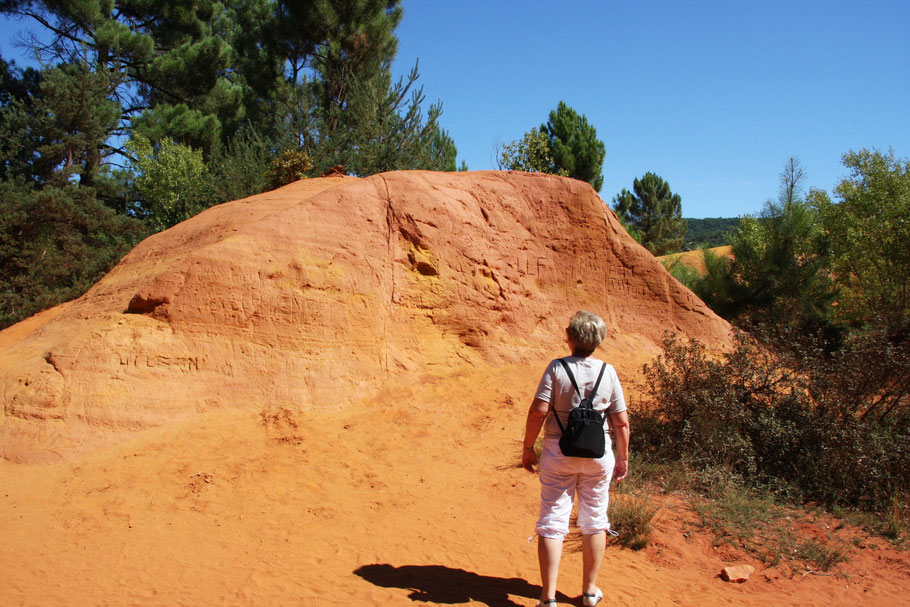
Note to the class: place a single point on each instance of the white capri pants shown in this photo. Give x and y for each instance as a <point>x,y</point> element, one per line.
<point>560,478</point>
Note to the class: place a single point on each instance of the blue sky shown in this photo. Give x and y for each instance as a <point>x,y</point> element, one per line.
<point>713,96</point>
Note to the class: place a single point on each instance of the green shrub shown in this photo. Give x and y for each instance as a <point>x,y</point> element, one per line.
<point>683,272</point>
<point>830,424</point>
<point>170,181</point>
<point>290,166</point>
<point>239,169</point>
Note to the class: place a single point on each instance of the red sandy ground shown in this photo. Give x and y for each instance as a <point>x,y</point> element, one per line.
<point>425,506</point>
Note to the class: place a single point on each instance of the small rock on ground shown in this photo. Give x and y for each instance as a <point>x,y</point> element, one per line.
<point>737,573</point>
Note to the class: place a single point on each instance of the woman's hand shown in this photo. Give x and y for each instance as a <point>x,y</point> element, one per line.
<point>620,469</point>
<point>528,459</point>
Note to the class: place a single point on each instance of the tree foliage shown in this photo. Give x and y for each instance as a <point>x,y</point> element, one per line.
<point>868,234</point>
<point>301,75</point>
<point>574,145</point>
<point>713,284</point>
<point>778,269</point>
<point>170,64</point>
<point>710,231</point>
<point>531,154</point>
<point>654,212</point>
<point>59,129</point>
<point>385,130</point>
<point>55,242</point>
<point>338,102</point>
<point>240,168</point>
<point>170,181</point>
<point>779,256</point>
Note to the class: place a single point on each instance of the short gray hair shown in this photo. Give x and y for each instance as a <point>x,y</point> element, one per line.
<point>586,330</point>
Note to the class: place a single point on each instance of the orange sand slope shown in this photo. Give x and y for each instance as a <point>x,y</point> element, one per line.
<point>316,396</point>
<point>696,258</point>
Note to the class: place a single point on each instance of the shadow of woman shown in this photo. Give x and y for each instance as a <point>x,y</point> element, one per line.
<point>440,584</point>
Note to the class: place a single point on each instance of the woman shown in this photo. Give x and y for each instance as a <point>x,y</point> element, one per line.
<point>561,477</point>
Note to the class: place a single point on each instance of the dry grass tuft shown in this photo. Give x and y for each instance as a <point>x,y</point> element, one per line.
<point>633,518</point>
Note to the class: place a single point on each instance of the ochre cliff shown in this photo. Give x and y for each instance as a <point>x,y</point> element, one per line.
<point>319,293</point>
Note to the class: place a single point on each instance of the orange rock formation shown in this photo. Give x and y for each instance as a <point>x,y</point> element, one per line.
<point>315,294</point>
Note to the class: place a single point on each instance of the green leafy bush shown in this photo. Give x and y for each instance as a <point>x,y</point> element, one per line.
<point>290,166</point>
<point>789,412</point>
<point>531,153</point>
<point>683,272</point>
<point>868,231</point>
<point>171,181</point>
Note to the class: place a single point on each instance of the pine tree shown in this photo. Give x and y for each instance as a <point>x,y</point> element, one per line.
<point>654,212</point>
<point>574,145</point>
<point>55,242</point>
<point>60,128</point>
<point>314,76</point>
<point>18,91</point>
<point>341,104</point>
<point>779,255</point>
<point>172,64</point>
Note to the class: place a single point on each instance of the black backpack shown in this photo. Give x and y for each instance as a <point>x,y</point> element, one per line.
<point>583,435</point>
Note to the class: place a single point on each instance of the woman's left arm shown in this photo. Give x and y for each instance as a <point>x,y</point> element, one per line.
<point>620,423</point>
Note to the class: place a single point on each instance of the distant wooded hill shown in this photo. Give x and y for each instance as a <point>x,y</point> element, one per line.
<point>711,231</point>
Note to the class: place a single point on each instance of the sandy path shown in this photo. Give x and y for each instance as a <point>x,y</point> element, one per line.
<point>410,499</point>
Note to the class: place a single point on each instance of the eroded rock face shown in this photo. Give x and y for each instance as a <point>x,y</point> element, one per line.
<point>319,292</point>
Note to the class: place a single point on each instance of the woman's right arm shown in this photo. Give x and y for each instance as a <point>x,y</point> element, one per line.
<point>537,413</point>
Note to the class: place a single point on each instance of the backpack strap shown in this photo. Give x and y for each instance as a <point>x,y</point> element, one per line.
<point>596,386</point>
<point>565,366</point>
<point>597,383</point>
<point>572,378</point>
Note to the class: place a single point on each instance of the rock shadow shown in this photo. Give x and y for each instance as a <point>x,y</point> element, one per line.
<point>440,584</point>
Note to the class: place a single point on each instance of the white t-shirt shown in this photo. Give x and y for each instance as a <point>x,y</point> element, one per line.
<point>555,387</point>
